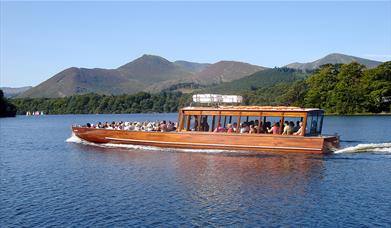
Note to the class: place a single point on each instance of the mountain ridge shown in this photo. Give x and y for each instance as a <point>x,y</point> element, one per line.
<point>152,73</point>
<point>333,58</point>
<point>149,73</point>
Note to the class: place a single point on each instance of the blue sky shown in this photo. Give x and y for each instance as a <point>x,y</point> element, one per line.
<point>39,39</point>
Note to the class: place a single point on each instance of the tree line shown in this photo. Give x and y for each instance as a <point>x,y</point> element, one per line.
<point>7,109</point>
<point>103,104</point>
<point>339,89</point>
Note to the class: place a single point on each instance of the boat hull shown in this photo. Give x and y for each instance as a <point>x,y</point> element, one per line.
<point>210,140</point>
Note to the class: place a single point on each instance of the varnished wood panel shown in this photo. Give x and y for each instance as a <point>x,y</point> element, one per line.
<point>206,140</point>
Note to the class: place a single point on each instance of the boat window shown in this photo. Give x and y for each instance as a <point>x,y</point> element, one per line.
<point>294,124</point>
<point>314,123</point>
<point>268,122</point>
<point>320,119</point>
<point>193,123</point>
<point>205,123</point>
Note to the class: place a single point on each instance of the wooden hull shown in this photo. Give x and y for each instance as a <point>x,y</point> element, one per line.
<point>210,140</point>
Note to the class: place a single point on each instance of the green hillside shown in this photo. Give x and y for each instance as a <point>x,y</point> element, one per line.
<point>261,79</point>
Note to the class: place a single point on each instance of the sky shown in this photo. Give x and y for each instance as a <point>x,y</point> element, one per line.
<point>40,39</point>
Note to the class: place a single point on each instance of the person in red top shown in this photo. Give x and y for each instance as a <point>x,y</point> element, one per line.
<point>275,129</point>
<point>230,128</point>
<point>219,128</point>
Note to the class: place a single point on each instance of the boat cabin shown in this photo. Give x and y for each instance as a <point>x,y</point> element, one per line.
<point>206,119</point>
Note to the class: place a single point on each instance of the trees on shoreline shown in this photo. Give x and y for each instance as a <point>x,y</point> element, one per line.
<point>338,89</point>
<point>98,104</point>
<point>6,108</point>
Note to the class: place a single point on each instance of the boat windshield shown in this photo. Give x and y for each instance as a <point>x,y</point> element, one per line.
<point>314,123</point>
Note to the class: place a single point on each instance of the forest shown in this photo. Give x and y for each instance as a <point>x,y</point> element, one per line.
<point>338,89</point>
<point>6,108</point>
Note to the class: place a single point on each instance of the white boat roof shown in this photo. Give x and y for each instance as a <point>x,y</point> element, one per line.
<point>253,108</point>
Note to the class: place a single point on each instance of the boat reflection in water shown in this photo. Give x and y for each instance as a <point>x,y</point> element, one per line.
<point>224,182</point>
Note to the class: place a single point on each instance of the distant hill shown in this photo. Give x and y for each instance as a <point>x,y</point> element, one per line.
<point>12,92</point>
<point>191,66</point>
<point>148,73</point>
<point>226,71</point>
<point>333,59</point>
<point>261,79</point>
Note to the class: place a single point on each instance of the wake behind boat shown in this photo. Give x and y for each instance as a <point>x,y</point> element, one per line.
<point>221,127</point>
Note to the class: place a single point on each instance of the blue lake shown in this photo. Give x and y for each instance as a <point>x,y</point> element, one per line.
<point>46,181</point>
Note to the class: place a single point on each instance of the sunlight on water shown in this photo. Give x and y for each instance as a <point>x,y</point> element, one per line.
<point>371,147</point>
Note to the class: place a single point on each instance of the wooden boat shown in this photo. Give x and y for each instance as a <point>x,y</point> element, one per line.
<point>191,133</point>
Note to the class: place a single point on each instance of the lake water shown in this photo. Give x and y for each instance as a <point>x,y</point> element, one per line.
<point>46,181</point>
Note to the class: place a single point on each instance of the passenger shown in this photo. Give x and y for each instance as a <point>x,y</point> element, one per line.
<point>230,129</point>
<point>275,129</point>
<point>137,126</point>
<point>314,125</point>
<point>170,126</point>
<point>149,126</point>
<point>244,128</point>
<point>127,126</point>
<point>266,126</point>
<point>219,128</point>
<point>301,129</point>
<point>194,126</point>
<point>88,125</point>
<point>256,123</point>
<point>287,129</point>
<point>204,124</point>
<point>235,126</point>
<point>163,126</point>
<point>297,127</point>
<point>252,130</point>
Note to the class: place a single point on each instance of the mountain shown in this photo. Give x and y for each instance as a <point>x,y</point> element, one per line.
<point>81,80</point>
<point>333,59</point>
<point>261,79</point>
<point>148,73</point>
<point>191,66</point>
<point>226,71</point>
<point>11,92</point>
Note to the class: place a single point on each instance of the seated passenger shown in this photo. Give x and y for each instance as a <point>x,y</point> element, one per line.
<point>170,126</point>
<point>297,127</point>
<point>235,126</point>
<point>301,129</point>
<point>230,129</point>
<point>287,129</point>
<point>205,125</point>
<point>275,129</point>
<point>219,128</point>
<point>256,123</point>
<point>252,130</point>
<point>244,128</point>
<point>314,125</point>
<point>163,126</point>
<point>194,125</point>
